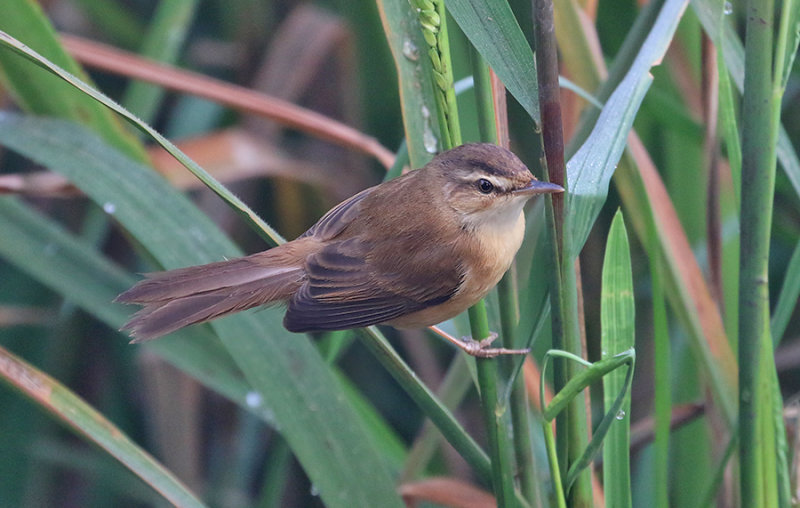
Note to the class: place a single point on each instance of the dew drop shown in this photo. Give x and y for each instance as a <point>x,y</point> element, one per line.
<point>314,490</point>
<point>429,140</point>
<point>727,8</point>
<point>253,399</point>
<point>620,414</point>
<point>410,50</point>
<point>109,208</point>
<point>197,234</point>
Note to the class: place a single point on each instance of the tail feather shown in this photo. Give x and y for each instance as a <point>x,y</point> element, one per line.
<point>191,280</point>
<point>186,296</point>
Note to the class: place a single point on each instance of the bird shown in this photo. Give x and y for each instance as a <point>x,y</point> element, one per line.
<point>410,252</point>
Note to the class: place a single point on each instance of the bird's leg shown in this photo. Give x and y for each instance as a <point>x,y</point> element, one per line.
<point>482,349</point>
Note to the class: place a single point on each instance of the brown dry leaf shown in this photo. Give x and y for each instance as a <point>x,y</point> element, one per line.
<point>14,315</point>
<point>230,156</point>
<point>110,59</point>
<point>38,184</point>
<point>303,44</point>
<point>233,155</point>
<point>532,376</point>
<point>446,492</point>
<point>689,273</point>
<point>643,431</point>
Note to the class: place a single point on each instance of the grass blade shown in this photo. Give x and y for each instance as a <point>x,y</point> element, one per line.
<point>44,94</point>
<point>72,411</point>
<point>708,12</point>
<point>163,41</point>
<point>401,25</point>
<point>309,407</point>
<point>236,204</point>
<point>492,28</point>
<point>617,330</point>
<point>592,166</point>
<point>787,298</point>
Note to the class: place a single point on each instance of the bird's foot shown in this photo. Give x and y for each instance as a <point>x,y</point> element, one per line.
<point>482,349</point>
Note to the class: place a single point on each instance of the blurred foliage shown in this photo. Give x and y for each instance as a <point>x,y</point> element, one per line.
<point>331,57</point>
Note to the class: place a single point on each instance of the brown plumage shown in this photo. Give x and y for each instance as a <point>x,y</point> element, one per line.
<point>411,252</point>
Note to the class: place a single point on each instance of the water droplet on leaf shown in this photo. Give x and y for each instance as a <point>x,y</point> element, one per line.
<point>253,399</point>
<point>410,50</point>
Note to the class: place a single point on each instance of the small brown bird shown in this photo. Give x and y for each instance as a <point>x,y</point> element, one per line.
<point>410,252</point>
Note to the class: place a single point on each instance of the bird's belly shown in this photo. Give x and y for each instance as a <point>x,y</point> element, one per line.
<point>437,313</point>
<point>483,273</point>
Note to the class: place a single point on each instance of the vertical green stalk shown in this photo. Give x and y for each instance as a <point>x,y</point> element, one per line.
<point>759,137</point>
<point>432,19</point>
<point>434,27</point>
<point>571,427</point>
<point>661,378</point>
<point>509,314</point>
<point>518,401</point>
<point>555,471</point>
<point>444,420</point>
<point>483,97</point>
<point>577,425</point>
<point>163,41</point>
<point>494,413</point>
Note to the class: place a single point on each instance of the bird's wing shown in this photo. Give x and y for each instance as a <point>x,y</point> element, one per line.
<point>338,217</point>
<point>352,284</point>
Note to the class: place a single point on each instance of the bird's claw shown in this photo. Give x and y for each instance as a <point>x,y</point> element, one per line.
<point>481,349</point>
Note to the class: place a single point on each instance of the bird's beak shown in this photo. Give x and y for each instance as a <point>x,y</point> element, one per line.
<point>538,187</point>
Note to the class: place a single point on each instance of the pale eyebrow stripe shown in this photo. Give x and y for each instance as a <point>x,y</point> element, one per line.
<point>500,183</point>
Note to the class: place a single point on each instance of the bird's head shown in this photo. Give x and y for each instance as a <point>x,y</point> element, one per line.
<point>486,184</point>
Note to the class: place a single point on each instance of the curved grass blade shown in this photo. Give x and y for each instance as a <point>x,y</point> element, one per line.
<point>590,170</point>
<point>42,93</point>
<point>74,269</point>
<point>492,28</point>
<point>80,274</point>
<point>593,372</point>
<point>238,205</point>
<point>75,413</point>
<point>309,406</point>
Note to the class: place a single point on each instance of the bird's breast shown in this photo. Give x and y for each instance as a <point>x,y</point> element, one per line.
<point>492,254</point>
<point>486,256</point>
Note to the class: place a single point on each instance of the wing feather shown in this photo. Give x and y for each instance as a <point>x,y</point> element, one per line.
<point>352,284</point>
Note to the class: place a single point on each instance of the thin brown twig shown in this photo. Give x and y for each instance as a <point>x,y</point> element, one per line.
<point>500,110</point>
<point>643,431</point>
<point>116,61</point>
<point>550,104</point>
<point>687,271</point>
<point>710,88</point>
<point>447,492</point>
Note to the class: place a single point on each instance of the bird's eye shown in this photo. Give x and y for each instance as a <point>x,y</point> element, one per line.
<point>485,186</point>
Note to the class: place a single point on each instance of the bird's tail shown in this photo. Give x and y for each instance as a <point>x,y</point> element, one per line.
<point>178,298</point>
